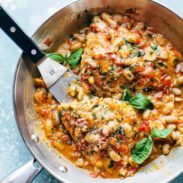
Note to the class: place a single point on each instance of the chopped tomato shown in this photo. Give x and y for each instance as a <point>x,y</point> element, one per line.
<point>139,68</point>
<point>45,112</point>
<point>159,95</point>
<point>112,56</point>
<point>144,127</point>
<point>166,80</point>
<point>123,148</point>
<point>48,42</point>
<point>93,27</point>
<point>113,141</point>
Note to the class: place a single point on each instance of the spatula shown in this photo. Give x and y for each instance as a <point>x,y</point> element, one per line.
<point>52,72</point>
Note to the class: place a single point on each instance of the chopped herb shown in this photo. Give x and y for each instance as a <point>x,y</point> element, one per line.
<point>176,60</point>
<point>144,26</point>
<point>96,105</point>
<point>112,68</point>
<point>71,36</point>
<point>126,95</point>
<point>161,64</point>
<point>148,88</point>
<point>155,47</point>
<point>150,35</point>
<point>111,164</point>
<point>121,130</point>
<point>94,115</point>
<point>139,54</point>
<point>89,19</point>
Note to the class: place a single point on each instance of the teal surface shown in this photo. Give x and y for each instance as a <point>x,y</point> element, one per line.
<point>13,152</point>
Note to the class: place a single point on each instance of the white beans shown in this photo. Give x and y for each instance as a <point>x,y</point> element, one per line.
<point>99,164</point>
<point>55,118</point>
<point>75,45</point>
<point>123,171</point>
<point>128,130</point>
<point>180,127</point>
<point>109,20</point>
<point>173,126</point>
<point>171,119</point>
<point>179,67</point>
<point>132,163</point>
<point>179,81</point>
<point>178,99</point>
<point>163,54</point>
<point>80,162</point>
<point>176,91</point>
<point>118,18</point>
<point>168,108</point>
<point>166,149</point>
<point>128,75</point>
<point>114,156</point>
<point>92,138</point>
<point>80,37</point>
<point>49,126</point>
<point>146,114</point>
<point>175,135</point>
<point>91,79</point>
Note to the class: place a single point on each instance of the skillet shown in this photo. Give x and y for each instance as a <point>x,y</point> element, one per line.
<point>58,28</point>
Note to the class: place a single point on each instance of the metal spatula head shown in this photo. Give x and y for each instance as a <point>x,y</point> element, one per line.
<point>56,77</point>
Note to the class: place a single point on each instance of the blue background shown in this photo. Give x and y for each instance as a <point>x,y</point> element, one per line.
<point>13,152</point>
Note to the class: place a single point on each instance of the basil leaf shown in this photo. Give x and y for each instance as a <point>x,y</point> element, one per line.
<point>126,95</point>
<point>57,57</point>
<point>160,133</point>
<point>140,101</point>
<point>75,58</point>
<point>142,150</point>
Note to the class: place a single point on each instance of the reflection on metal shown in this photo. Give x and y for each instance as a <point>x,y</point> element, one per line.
<point>63,169</point>
<point>35,138</point>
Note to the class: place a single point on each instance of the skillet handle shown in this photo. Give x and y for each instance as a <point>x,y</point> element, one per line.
<point>19,37</point>
<point>24,174</point>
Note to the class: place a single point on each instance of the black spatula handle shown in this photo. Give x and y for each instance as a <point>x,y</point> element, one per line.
<point>19,37</point>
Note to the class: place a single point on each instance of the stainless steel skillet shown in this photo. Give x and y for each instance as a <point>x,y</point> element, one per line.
<point>58,28</point>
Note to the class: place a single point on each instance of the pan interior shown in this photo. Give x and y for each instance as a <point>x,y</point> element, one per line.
<point>58,28</point>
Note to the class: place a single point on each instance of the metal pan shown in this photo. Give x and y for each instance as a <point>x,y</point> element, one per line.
<point>58,28</point>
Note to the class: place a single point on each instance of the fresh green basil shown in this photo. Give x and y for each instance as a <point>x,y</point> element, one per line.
<point>73,60</point>
<point>140,101</point>
<point>75,57</point>
<point>142,150</point>
<point>126,95</point>
<point>57,57</point>
<point>160,133</point>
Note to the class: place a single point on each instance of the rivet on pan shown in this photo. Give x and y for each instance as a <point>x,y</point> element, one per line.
<point>35,138</point>
<point>63,169</point>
